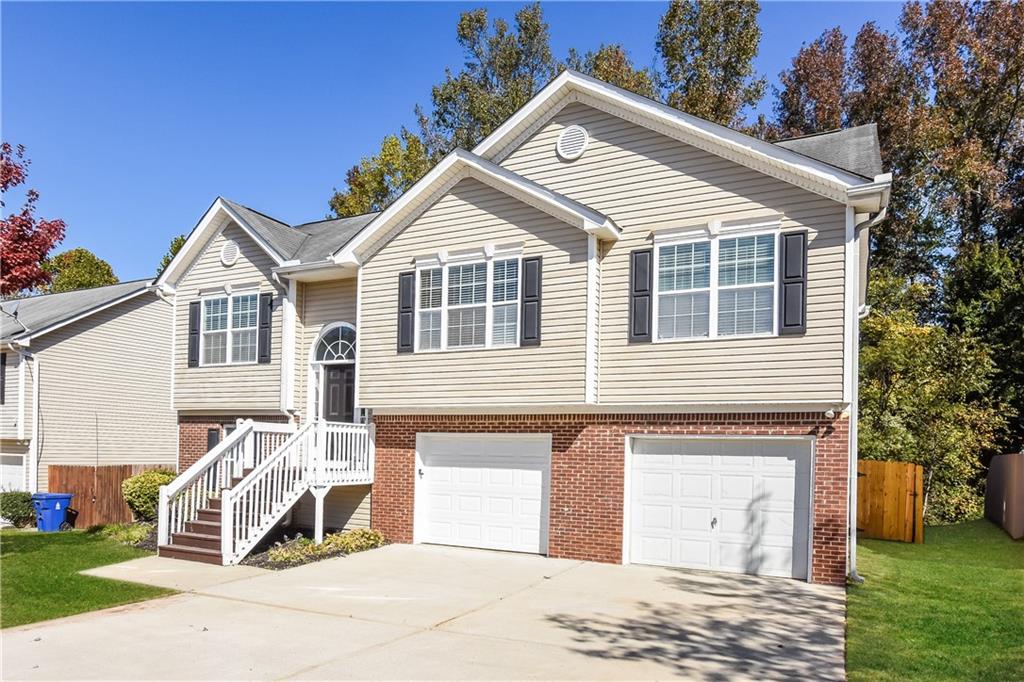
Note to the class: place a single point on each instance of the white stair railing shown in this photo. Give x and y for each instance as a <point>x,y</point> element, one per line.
<point>345,454</point>
<point>250,509</point>
<point>180,500</point>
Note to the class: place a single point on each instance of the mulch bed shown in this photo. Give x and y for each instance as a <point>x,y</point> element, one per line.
<point>150,542</point>
<point>261,559</point>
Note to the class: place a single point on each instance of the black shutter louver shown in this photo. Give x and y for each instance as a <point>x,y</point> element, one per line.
<point>641,272</point>
<point>193,334</point>
<point>406,310</point>
<point>793,283</point>
<point>529,330</point>
<point>265,328</point>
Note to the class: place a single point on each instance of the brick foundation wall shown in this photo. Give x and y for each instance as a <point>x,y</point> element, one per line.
<point>192,434</point>
<point>587,473</point>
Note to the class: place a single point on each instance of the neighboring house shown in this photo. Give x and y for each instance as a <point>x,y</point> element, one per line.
<point>612,332</point>
<point>84,380</point>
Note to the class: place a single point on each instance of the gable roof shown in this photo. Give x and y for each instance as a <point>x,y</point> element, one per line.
<point>280,236</point>
<point>324,237</point>
<point>458,165</point>
<point>25,318</point>
<point>855,149</point>
<point>839,184</point>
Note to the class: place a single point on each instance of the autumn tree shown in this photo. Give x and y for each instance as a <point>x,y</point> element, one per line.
<point>172,251</point>
<point>25,240</point>
<point>611,64</point>
<point>77,269</point>
<point>378,180</point>
<point>814,89</point>
<point>707,49</point>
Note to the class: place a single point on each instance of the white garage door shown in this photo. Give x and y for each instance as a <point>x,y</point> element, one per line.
<point>483,490</point>
<point>741,506</point>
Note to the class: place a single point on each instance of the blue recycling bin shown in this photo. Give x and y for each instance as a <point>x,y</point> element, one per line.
<point>51,509</point>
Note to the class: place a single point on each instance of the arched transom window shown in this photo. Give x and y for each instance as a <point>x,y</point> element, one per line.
<point>337,344</point>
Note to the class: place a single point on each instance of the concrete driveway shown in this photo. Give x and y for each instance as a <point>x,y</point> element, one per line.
<point>429,612</point>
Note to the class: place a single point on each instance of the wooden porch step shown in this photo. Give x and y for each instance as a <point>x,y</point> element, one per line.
<point>211,515</point>
<point>199,540</point>
<point>213,503</point>
<point>206,556</point>
<point>203,527</point>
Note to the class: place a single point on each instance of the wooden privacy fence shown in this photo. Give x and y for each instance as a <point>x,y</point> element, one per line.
<point>96,489</point>
<point>890,500</point>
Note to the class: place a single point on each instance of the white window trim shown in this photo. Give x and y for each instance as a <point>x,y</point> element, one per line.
<point>713,231</point>
<point>443,260</point>
<point>231,307</point>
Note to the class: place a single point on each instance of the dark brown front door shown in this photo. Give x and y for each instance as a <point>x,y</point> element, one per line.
<point>339,393</point>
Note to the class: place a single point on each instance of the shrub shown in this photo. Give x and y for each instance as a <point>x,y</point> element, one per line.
<point>125,533</point>
<point>303,549</point>
<point>142,492</point>
<point>17,508</point>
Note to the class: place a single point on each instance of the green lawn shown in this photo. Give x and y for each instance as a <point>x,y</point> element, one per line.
<point>39,576</point>
<point>950,609</point>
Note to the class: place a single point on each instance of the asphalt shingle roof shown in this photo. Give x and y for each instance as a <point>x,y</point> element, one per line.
<point>324,237</point>
<point>853,149</point>
<point>23,316</point>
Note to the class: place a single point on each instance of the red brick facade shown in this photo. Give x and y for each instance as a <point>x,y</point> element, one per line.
<point>587,473</point>
<point>192,434</point>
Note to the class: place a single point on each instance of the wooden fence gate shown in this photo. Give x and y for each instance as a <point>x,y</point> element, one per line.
<point>96,489</point>
<point>890,500</point>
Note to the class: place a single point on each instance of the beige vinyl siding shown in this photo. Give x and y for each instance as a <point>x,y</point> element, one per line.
<point>12,410</point>
<point>105,389</point>
<point>646,181</point>
<point>319,304</point>
<point>247,388</point>
<point>469,216</point>
<point>345,507</point>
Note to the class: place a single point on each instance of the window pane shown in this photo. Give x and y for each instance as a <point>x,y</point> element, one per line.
<point>430,330</point>
<point>684,266</point>
<point>243,311</point>
<point>430,288</point>
<point>506,327</point>
<point>506,280</point>
<point>243,346</point>
<point>682,316</point>
<point>215,314</point>
<point>215,348</point>
<point>467,327</point>
<point>745,311</point>
<point>746,260</point>
<point>467,284</point>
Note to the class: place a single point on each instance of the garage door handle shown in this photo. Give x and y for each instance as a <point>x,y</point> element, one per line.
<point>714,522</point>
<point>420,471</point>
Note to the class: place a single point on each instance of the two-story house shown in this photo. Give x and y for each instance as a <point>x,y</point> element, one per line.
<point>611,331</point>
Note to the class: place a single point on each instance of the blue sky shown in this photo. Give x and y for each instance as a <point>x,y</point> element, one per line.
<point>137,115</point>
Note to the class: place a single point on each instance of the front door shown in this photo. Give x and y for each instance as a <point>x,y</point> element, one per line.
<point>339,393</point>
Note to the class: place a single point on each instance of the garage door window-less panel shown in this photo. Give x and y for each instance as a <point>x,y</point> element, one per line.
<point>735,505</point>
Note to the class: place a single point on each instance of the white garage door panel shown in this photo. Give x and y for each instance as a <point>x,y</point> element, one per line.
<point>12,472</point>
<point>732,505</point>
<point>486,491</point>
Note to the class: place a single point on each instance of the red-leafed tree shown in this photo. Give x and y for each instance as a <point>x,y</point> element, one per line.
<point>25,240</point>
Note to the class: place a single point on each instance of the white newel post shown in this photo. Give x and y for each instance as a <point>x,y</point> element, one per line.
<point>372,436</point>
<point>163,533</point>
<point>227,527</point>
<point>320,451</point>
<point>249,452</point>
<point>319,493</point>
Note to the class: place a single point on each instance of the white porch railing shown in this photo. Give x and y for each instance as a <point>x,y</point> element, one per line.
<point>347,454</point>
<point>250,444</point>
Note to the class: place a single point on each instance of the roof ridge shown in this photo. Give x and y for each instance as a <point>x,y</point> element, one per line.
<point>259,213</point>
<point>72,291</point>
<point>327,220</point>
<point>832,131</point>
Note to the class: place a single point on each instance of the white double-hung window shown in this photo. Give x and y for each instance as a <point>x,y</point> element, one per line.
<point>716,285</point>
<point>468,304</point>
<point>229,329</point>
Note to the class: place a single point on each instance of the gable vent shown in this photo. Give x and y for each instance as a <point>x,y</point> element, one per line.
<point>572,142</point>
<point>229,253</point>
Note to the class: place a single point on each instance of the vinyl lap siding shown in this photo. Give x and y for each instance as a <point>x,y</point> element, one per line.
<point>226,388</point>
<point>9,411</point>
<point>104,390</point>
<point>319,304</point>
<point>646,181</point>
<point>470,215</point>
<point>345,508</point>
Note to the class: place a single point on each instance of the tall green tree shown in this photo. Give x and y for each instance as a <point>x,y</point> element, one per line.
<point>172,251</point>
<point>78,269</point>
<point>505,66</point>
<point>611,64</point>
<point>707,49</point>
<point>379,179</point>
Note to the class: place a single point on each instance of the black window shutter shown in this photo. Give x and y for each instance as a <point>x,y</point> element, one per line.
<point>641,294</point>
<point>212,438</point>
<point>406,310</point>
<point>3,378</point>
<point>529,330</point>
<point>793,283</point>
<point>193,334</point>
<point>264,329</point>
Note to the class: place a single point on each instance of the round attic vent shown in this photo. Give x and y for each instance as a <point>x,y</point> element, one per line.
<point>572,142</point>
<point>229,253</point>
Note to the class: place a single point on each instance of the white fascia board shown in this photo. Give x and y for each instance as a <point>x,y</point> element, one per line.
<point>740,144</point>
<point>24,340</point>
<point>460,163</point>
<point>688,407</point>
<point>198,238</point>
